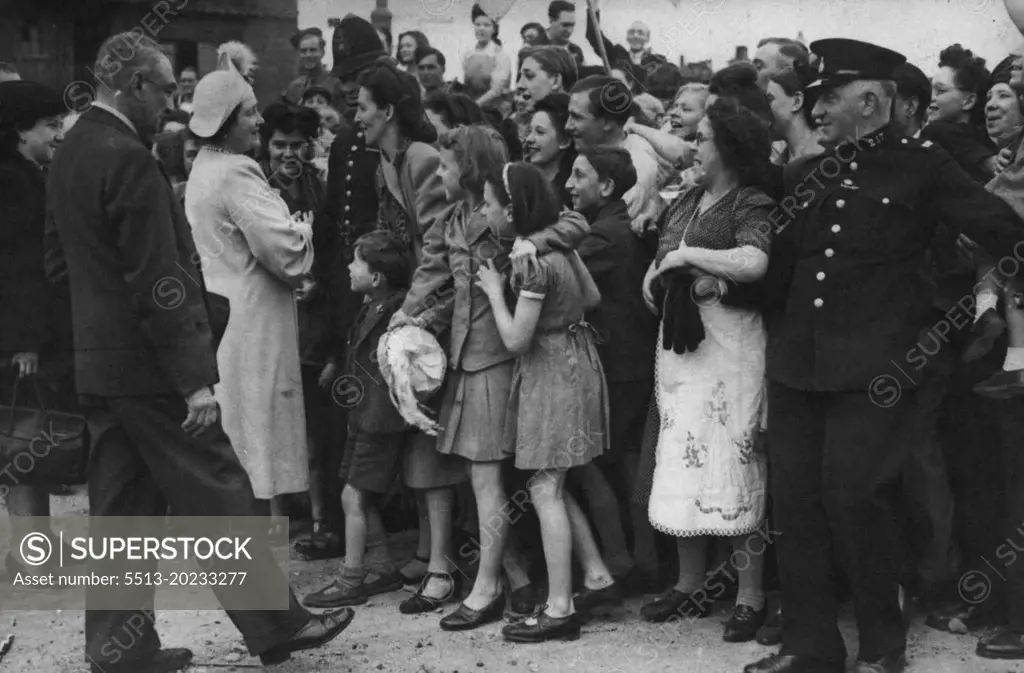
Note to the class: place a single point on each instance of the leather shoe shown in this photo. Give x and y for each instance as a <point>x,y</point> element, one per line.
<point>891,663</point>
<point>674,603</point>
<point>986,332</point>
<point>319,630</point>
<point>1002,385</point>
<point>541,628</point>
<point>161,661</point>
<point>791,663</point>
<point>743,625</point>
<point>1003,644</point>
<point>602,602</point>
<point>464,618</point>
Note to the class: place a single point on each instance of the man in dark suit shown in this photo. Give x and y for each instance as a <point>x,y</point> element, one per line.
<point>145,358</point>
<point>848,307</point>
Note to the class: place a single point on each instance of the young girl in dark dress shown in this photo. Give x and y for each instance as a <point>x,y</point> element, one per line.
<point>558,407</point>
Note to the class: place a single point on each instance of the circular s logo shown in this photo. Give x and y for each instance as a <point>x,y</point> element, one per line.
<point>36,549</point>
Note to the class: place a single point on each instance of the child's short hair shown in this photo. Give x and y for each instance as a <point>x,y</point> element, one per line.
<point>384,254</point>
<point>612,163</point>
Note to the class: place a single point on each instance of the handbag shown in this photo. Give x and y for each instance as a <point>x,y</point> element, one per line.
<point>40,445</point>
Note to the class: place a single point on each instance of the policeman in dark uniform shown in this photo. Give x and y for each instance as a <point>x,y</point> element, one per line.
<point>350,210</point>
<point>846,303</point>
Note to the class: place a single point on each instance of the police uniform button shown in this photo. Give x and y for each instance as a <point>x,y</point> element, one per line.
<point>359,134</point>
<point>829,252</point>
<point>853,165</point>
<point>885,200</point>
<point>820,275</point>
<point>847,181</point>
<point>351,164</point>
<point>346,223</point>
<point>819,302</point>
<point>840,203</point>
<point>348,192</point>
<point>355,149</point>
<point>348,208</point>
<point>836,228</point>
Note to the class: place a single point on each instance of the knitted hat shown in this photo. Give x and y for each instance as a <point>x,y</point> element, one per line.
<point>356,46</point>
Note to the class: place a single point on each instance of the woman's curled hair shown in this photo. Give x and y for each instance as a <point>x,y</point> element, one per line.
<point>743,141</point>
<point>795,79</point>
<point>390,86</point>
<point>970,75</point>
<point>287,118</point>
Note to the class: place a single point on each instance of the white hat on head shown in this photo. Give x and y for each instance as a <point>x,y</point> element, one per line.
<point>215,98</point>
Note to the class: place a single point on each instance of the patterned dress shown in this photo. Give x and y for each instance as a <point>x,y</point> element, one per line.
<point>708,480</point>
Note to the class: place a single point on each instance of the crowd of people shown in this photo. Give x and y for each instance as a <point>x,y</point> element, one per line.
<point>609,332</point>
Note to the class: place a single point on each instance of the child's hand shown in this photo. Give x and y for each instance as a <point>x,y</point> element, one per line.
<point>327,375</point>
<point>490,281</point>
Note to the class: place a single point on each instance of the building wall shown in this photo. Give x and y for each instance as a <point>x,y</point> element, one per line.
<point>58,46</point>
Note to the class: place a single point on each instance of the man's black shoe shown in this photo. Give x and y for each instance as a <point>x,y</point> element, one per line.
<point>320,630</point>
<point>1003,644</point>
<point>1002,385</point>
<point>891,663</point>
<point>986,332</point>
<point>791,663</point>
<point>162,661</point>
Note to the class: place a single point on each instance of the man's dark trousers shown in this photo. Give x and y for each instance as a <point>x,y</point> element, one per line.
<point>141,463</point>
<point>836,460</point>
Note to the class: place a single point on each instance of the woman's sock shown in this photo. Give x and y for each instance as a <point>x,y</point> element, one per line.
<point>751,598</point>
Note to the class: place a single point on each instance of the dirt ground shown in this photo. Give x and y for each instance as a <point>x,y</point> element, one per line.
<point>381,639</point>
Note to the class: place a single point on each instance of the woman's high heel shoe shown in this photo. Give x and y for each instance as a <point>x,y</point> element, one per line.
<point>464,618</point>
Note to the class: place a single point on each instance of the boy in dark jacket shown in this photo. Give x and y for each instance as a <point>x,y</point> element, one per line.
<point>377,434</point>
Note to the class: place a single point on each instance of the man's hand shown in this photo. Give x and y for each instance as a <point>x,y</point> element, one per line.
<point>203,412</point>
<point>27,364</point>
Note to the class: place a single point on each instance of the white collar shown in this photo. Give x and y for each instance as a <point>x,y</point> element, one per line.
<point>117,113</point>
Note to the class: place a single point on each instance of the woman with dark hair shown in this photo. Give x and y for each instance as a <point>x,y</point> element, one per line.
<point>548,146</point>
<point>411,197</point>
<point>35,337</point>
<point>1004,117</point>
<point>709,481</point>
<point>791,109</point>
<point>408,43</point>
<point>256,253</point>
<point>391,115</point>
<point>287,135</point>
<point>486,68</point>
<point>956,116</point>
<point>456,109</point>
<point>534,35</point>
<point>557,418</point>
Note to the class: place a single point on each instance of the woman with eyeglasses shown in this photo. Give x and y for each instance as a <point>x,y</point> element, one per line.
<point>709,479</point>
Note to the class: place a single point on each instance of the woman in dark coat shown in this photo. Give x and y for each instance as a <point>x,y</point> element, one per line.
<point>35,336</point>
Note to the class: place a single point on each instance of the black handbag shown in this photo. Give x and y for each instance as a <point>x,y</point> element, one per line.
<point>40,445</point>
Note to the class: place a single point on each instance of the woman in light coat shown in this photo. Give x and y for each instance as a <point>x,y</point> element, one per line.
<point>255,253</point>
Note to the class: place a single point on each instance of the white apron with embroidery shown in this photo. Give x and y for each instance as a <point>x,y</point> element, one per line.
<point>707,478</point>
